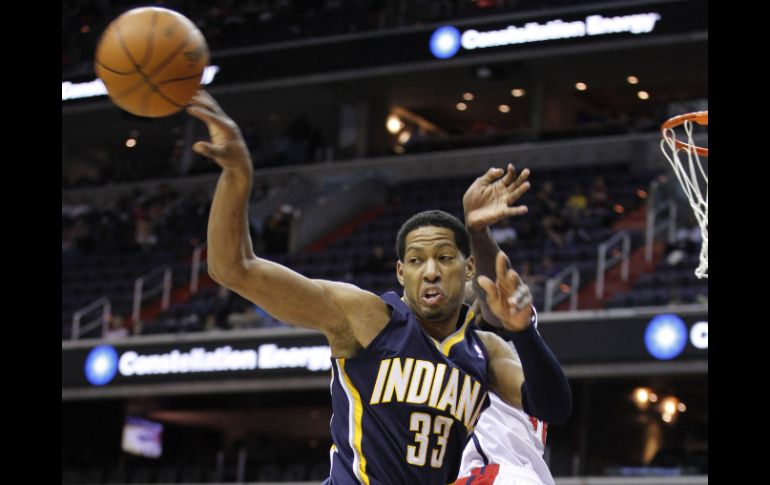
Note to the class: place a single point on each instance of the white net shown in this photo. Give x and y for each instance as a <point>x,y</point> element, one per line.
<point>694,181</point>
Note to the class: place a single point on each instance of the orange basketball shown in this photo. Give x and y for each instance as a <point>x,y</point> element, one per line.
<point>151,60</point>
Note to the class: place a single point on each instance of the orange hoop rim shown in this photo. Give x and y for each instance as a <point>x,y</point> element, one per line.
<point>700,117</point>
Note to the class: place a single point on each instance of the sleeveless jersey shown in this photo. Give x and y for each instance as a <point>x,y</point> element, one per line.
<point>508,436</point>
<point>404,406</point>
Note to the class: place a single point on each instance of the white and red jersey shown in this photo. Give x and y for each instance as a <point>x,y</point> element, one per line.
<point>511,438</point>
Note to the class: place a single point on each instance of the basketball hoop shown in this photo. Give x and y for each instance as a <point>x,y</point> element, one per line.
<point>690,173</point>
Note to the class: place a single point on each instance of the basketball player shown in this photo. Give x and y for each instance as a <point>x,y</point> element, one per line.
<point>410,377</point>
<point>508,443</point>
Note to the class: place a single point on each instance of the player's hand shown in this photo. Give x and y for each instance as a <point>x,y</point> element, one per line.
<point>491,197</point>
<point>227,147</point>
<point>508,297</point>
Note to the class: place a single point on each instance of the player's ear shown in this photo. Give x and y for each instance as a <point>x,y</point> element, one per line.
<point>400,272</point>
<point>470,268</point>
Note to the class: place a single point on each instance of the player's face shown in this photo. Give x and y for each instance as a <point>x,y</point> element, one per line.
<point>433,273</point>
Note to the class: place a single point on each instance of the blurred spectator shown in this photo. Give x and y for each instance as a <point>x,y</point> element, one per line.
<point>221,309</point>
<point>547,268</point>
<point>80,232</point>
<point>689,238</point>
<point>504,234</point>
<point>277,230</point>
<point>534,281</point>
<point>576,203</point>
<point>250,317</point>
<point>599,197</point>
<point>68,245</point>
<point>251,136</point>
<point>116,329</point>
<point>144,237</point>
<point>687,241</point>
<point>675,296</point>
<point>526,231</point>
<point>267,319</point>
<point>599,203</point>
<point>555,227</point>
<point>545,204</point>
<point>376,262</point>
<point>77,172</point>
<point>304,140</point>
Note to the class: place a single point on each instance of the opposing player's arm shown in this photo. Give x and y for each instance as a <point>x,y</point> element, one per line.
<point>544,391</point>
<point>488,200</point>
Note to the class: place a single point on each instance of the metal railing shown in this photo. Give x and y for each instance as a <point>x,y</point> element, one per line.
<point>106,307</point>
<point>657,224</point>
<point>603,264</point>
<point>196,267</point>
<point>141,294</point>
<point>553,288</point>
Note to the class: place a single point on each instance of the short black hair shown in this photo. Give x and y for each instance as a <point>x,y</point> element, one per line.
<point>434,218</point>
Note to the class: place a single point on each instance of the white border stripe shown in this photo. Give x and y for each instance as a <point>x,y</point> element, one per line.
<point>333,448</point>
<point>351,423</point>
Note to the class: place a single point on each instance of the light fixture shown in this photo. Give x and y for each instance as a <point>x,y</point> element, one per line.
<point>394,124</point>
<point>669,405</point>
<point>641,395</point>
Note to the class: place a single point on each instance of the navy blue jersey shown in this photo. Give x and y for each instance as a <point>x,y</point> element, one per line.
<point>405,405</point>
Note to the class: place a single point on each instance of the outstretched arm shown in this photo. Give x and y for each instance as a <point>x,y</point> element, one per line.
<point>487,201</point>
<point>538,384</point>
<point>288,296</point>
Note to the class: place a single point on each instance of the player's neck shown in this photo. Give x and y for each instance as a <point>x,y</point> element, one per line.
<point>437,330</point>
<point>441,330</point>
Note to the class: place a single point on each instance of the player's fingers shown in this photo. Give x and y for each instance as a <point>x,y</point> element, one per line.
<point>523,176</point>
<point>208,101</point>
<point>491,175</point>
<point>210,117</point>
<point>509,283</point>
<point>489,288</point>
<point>516,211</point>
<point>501,265</point>
<point>510,175</point>
<point>517,193</point>
<point>208,150</point>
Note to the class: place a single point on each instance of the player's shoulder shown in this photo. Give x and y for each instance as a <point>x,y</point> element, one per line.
<point>487,335</point>
<point>366,313</point>
<point>496,346</point>
<point>489,339</point>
